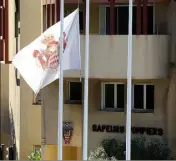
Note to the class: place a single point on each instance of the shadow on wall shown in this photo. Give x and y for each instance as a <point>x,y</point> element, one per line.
<point>12,130</point>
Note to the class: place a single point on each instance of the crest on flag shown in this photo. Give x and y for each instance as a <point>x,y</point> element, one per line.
<point>67,132</point>
<point>49,56</point>
<point>38,62</point>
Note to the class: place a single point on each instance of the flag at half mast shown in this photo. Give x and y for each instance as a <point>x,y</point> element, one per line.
<point>38,63</point>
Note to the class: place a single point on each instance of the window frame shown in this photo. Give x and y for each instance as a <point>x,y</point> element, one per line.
<point>115,109</point>
<point>36,147</point>
<point>68,94</point>
<point>145,98</point>
<point>48,12</point>
<point>122,5</point>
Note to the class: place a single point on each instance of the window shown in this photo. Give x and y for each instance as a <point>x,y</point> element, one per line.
<point>48,15</point>
<point>150,20</point>
<point>121,19</point>
<point>17,17</point>
<point>75,92</point>
<point>81,21</point>
<point>113,96</point>
<point>36,147</point>
<point>143,97</point>
<point>17,27</point>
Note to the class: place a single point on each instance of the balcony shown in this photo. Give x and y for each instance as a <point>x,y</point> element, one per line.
<point>108,57</point>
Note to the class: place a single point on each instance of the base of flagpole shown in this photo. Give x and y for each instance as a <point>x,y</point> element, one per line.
<point>69,152</point>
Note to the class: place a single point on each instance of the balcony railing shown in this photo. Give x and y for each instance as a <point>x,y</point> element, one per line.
<point>108,57</point>
<point>100,20</point>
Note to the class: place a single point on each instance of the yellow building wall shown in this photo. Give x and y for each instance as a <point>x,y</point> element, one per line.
<point>8,93</point>
<point>69,152</point>
<point>30,115</point>
<point>74,113</point>
<point>4,104</point>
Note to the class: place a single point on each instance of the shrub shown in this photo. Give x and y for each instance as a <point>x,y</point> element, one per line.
<point>100,154</point>
<point>35,155</point>
<point>142,148</point>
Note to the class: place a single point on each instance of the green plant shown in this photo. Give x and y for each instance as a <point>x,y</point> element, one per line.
<point>142,148</point>
<point>35,155</point>
<point>100,154</point>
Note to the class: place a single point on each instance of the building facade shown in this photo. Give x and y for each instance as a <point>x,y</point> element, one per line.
<point>153,73</point>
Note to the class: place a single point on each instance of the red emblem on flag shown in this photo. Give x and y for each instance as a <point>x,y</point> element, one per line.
<point>49,57</point>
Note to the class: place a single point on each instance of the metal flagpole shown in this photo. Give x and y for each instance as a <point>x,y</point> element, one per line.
<point>85,116</point>
<point>60,107</point>
<point>129,71</point>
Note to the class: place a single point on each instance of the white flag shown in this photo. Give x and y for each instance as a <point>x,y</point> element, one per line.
<point>38,63</point>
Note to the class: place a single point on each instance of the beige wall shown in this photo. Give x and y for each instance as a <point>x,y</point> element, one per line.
<point>74,113</point>
<point>6,93</point>
<point>150,53</point>
<point>150,57</point>
<point>28,115</point>
<point>171,16</point>
<point>12,44</point>
<point>50,104</point>
<point>4,103</point>
<point>14,109</point>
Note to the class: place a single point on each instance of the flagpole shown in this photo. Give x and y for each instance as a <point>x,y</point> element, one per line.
<point>129,86</point>
<point>85,116</point>
<point>60,107</point>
